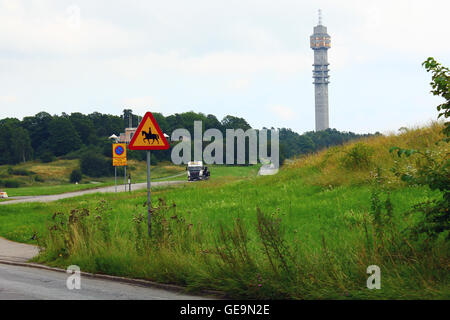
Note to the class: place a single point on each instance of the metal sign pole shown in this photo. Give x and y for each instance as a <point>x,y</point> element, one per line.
<point>115,177</point>
<point>149,199</point>
<point>148,136</point>
<point>125,178</point>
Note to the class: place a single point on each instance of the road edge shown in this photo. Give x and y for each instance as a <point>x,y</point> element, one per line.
<point>139,282</point>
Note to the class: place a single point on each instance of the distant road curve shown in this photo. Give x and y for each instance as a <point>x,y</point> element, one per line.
<point>54,197</point>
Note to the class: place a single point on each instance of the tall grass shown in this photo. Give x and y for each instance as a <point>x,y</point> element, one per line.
<point>355,162</point>
<point>252,260</point>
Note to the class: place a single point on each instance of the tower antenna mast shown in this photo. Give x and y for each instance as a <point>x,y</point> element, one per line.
<point>320,43</point>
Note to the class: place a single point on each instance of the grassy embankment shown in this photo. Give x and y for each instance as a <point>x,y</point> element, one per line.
<point>53,178</point>
<point>307,232</point>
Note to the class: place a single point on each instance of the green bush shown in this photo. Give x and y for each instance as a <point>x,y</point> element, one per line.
<point>94,165</point>
<point>358,157</point>
<point>78,154</point>
<point>120,171</point>
<point>11,183</point>
<point>20,172</point>
<point>137,155</point>
<point>75,176</point>
<point>38,178</point>
<point>153,159</point>
<point>433,169</point>
<point>47,157</point>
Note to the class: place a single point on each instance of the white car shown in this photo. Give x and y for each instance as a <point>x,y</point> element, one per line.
<point>3,195</point>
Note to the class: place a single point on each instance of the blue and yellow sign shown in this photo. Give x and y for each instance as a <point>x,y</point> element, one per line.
<point>119,154</point>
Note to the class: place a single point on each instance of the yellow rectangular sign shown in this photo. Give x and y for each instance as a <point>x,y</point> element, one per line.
<point>119,154</point>
<point>119,162</point>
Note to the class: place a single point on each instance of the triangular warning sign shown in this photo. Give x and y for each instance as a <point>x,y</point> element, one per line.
<point>148,136</point>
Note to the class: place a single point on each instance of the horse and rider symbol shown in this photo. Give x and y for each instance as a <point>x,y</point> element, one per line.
<point>152,139</point>
<point>150,136</point>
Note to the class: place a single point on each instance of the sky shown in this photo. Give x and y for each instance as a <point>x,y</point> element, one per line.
<point>247,58</point>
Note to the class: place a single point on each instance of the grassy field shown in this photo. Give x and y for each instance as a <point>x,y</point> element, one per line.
<point>162,172</point>
<point>306,233</point>
<point>52,189</point>
<point>56,177</point>
<point>36,173</point>
<point>13,216</point>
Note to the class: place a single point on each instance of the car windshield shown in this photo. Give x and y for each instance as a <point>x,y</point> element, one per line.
<point>195,168</point>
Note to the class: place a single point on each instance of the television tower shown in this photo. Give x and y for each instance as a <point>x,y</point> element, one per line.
<point>320,43</point>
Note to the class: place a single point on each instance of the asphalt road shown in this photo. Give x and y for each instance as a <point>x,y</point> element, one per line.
<point>16,252</point>
<point>24,283</point>
<point>54,197</point>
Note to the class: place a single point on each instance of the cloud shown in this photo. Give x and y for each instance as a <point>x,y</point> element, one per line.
<point>39,29</point>
<point>140,105</point>
<point>8,99</point>
<point>232,62</point>
<point>200,53</point>
<point>214,63</point>
<point>239,84</point>
<point>283,112</point>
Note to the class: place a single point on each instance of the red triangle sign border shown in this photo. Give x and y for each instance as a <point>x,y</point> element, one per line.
<point>166,145</point>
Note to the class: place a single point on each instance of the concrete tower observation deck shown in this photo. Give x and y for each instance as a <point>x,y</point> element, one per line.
<point>320,43</point>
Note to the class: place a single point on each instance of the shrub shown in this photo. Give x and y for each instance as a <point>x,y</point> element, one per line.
<point>94,165</point>
<point>75,176</point>
<point>47,157</point>
<point>78,154</point>
<point>137,155</point>
<point>20,172</point>
<point>38,178</point>
<point>432,168</point>
<point>358,157</point>
<point>11,183</point>
<point>153,159</point>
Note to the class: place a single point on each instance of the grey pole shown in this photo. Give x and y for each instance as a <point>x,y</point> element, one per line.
<point>125,179</point>
<point>115,177</point>
<point>149,199</point>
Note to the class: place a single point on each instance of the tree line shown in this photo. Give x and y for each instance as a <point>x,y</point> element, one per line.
<point>45,137</point>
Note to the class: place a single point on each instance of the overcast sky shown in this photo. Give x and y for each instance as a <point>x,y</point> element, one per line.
<point>249,58</point>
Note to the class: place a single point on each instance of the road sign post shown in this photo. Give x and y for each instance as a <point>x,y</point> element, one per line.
<point>125,178</point>
<point>148,136</point>
<point>149,196</point>
<point>119,160</point>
